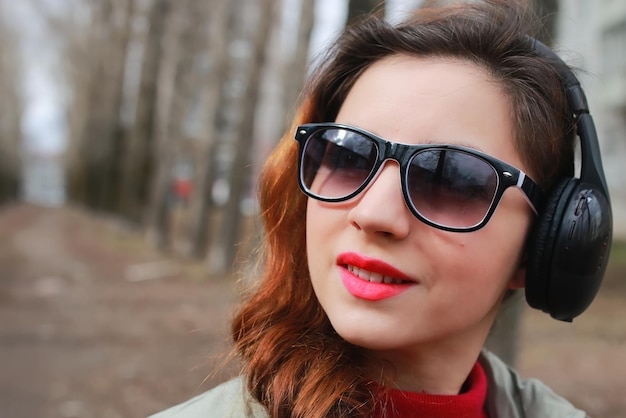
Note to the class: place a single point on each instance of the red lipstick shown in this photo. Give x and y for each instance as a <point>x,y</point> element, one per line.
<point>371,279</point>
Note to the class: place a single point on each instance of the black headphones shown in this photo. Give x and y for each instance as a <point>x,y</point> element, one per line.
<point>569,248</point>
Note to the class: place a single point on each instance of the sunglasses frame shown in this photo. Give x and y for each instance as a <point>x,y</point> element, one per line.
<point>507,175</point>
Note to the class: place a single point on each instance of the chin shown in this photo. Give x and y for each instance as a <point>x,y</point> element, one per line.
<point>368,337</point>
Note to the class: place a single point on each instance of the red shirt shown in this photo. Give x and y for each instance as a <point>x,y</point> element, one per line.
<point>469,404</point>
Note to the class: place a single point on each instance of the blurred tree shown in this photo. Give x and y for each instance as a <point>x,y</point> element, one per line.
<point>182,44</point>
<point>137,161</point>
<point>11,108</point>
<point>296,67</point>
<point>240,134</point>
<point>72,35</point>
<point>228,122</point>
<point>212,80</point>
<point>359,8</point>
<point>96,61</point>
<point>137,72</point>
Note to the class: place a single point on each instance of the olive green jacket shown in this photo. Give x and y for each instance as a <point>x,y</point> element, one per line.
<point>508,396</point>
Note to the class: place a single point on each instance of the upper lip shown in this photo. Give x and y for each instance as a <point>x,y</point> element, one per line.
<point>371,264</point>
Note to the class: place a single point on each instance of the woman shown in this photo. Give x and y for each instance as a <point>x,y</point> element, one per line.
<point>382,280</point>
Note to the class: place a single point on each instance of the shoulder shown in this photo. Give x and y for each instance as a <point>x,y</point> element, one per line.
<point>228,400</point>
<point>511,396</point>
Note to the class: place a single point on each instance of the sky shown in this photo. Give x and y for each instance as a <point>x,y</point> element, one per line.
<point>43,123</point>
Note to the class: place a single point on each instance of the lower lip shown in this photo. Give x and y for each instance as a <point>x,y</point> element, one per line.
<point>367,290</point>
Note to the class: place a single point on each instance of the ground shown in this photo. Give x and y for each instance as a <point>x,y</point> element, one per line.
<point>94,323</point>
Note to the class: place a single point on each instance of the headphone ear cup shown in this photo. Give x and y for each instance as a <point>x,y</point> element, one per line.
<point>541,245</point>
<point>569,253</point>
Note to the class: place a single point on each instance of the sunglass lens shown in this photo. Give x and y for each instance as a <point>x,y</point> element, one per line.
<point>451,188</point>
<point>336,162</point>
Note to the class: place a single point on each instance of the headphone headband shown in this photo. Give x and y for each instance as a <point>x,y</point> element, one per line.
<point>591,162</point>
<point>569,250</point>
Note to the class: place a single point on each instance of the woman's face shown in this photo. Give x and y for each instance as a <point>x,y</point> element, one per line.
<point>457,280</point>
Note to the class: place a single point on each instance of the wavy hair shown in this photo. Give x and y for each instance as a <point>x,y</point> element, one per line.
<point>295,364</point>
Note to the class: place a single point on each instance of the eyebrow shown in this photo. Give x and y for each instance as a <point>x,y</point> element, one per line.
<point>429,141</point>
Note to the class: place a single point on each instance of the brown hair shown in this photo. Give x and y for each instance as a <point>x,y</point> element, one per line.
<point>294,362</point>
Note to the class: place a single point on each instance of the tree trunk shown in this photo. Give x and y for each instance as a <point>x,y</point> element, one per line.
<point>100,138</point>
<point>198,231</point>
<point>296,70</point>
<point>80,65</point>
<point>77,67</point>
<point>137,166</point>
<point>240,169</point>
<point>112,176</point>
<point>95,59</point>
<point>11,107</point>
<point>359,8</point>
<point>172,108</point>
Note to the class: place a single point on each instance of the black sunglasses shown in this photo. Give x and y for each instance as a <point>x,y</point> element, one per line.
<point>449,187</point>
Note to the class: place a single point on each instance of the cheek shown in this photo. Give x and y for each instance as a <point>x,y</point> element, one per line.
<point>493,255</point>
<point>312,219</point>
<point>469,283</point>
<point>324,224</point>
<point>319,237</point>
<point>319,241</point>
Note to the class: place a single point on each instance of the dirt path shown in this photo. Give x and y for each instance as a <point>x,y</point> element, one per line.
<point>94,323</point>
<point>85,328</point>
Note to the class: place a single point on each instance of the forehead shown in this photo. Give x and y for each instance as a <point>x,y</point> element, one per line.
<point>424,99</point>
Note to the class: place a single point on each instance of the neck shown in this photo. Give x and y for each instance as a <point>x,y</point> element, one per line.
<point>434,374</point>
<point>439,367</point>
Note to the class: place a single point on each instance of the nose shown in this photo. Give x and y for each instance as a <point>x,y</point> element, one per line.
<point>380,209</point>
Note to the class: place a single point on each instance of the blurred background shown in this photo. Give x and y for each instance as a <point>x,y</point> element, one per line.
<point>131,135</point>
